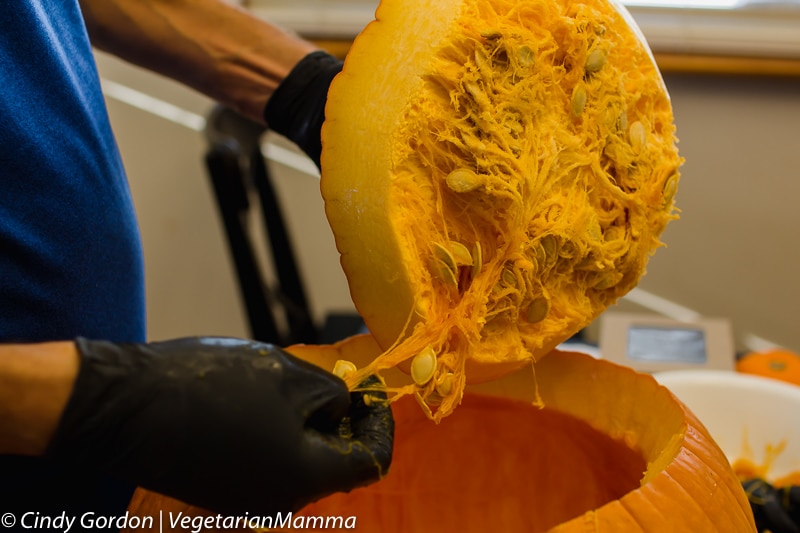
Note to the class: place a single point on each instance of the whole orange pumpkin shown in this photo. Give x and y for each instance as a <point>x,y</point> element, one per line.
<point>776,363</point>
<point>610,451</point>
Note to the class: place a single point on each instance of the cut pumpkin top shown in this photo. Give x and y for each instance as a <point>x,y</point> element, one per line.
<point>496,174</point>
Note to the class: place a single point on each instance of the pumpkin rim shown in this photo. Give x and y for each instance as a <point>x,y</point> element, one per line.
<point>563,381</point>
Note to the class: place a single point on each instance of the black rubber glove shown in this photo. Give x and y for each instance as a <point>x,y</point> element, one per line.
<point>774,510</point>
<point>229,425</point>
<point>296,109</point>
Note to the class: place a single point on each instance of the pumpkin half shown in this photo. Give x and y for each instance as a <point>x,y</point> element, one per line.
<point>611,451</point>
<point>496,173</point>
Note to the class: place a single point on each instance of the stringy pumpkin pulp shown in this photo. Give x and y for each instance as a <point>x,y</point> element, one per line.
<point>496,174</point>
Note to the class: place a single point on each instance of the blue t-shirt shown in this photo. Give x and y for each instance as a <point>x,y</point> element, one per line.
<point>70,254</point>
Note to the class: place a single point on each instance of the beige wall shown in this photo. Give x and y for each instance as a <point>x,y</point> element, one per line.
<point>734,253</point>
<point>191,288</point>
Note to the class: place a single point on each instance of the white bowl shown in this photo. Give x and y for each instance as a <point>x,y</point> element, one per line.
<point>744,414</point>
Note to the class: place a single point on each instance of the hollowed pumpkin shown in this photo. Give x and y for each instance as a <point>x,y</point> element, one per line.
<point>496,173</point>
<point>612,451</point>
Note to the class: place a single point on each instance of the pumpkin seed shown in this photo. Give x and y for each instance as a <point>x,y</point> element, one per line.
<point>670,188</point>
<point>611,116</point>
<point>460,253</point>
<point>477,259</point>
<point>638,137</point>
<point>607,280</point>
<point>343,368</point>
<point>533,260</point>
<point>433,399</point>
<point>497,324</point>
<point>595,61</point>
<point>444,386</point>
<point>423,366</point>
<point>578,100</point>
<point>490,34</point>
<point>443,254</point>
<point>622,121</point>
<point>525,55</point>
<point>498,288</point>
<point>478,96</point>
<point>425,407</point>
<point>509,278</point>
<point>537,310</point>
<point>444,273</point>
<point>475,145</point>
<point>537,256</point>
<point>482,60</point>
<point>549,246</point>
<point>463,180</point>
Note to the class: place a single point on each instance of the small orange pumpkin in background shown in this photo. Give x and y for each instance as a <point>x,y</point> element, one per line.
<point>777,363</point>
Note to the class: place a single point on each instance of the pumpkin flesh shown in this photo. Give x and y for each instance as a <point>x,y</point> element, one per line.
<point>634,461</point>
<point>536,135</point>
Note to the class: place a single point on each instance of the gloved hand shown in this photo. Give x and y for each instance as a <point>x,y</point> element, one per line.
<point>229,425</point>
<point>774,510</point>
<point>296,109</point>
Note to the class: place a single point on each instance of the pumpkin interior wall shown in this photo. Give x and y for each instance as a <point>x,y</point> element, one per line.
<point>565,203</point>
<point>510,184</point>
<point>494,465</point>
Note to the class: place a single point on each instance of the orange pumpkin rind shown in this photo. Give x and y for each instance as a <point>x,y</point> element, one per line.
<point>537,136</point>
<point>442,475</point>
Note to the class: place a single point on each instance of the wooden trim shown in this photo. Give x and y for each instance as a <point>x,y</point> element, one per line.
<point>710,64</point>
<point>671,63</point>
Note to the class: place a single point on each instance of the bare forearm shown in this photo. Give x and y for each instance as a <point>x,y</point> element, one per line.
<point>213,47</point>
<point>36,381</point>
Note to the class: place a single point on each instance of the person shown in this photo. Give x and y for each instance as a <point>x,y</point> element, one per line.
<point>88,408</point>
